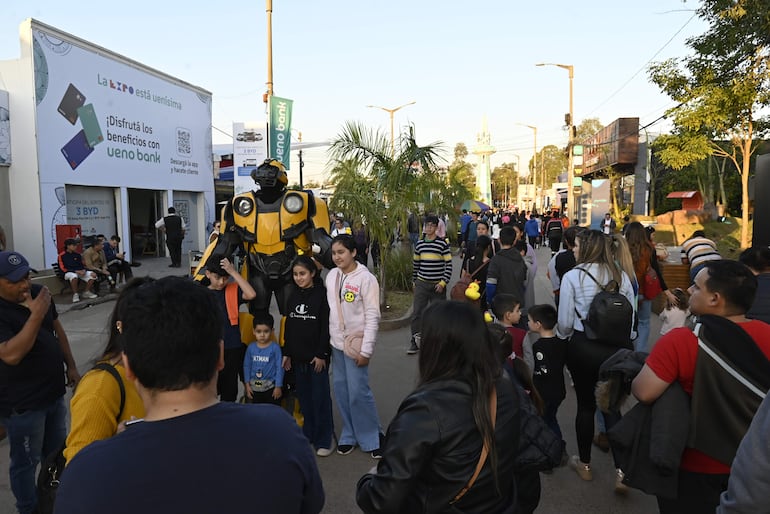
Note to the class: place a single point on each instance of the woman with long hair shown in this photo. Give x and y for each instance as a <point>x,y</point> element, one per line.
<point>594,255</point>
<point>644,258</point>
<point>97,409</point>
<point>434,444</point>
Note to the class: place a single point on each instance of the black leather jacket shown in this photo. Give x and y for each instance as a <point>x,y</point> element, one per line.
<point>432,449</point>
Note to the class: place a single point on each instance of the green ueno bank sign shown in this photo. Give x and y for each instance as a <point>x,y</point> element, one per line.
<point>280,129</point>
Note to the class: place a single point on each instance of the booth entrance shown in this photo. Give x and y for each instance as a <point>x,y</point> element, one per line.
<point>144,207</point>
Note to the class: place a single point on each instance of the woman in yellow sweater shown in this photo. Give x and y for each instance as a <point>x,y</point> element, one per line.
<point>95,406</point>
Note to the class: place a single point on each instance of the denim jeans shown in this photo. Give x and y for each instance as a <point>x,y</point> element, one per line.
<point>360,423</point>
<point>315,401</point>
<point>642,342</point>
<point>33,434</point>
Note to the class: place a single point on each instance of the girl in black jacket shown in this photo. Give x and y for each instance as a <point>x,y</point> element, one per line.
<point>306,350</point>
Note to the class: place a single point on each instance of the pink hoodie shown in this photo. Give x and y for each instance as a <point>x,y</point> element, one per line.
<point>358,293</point>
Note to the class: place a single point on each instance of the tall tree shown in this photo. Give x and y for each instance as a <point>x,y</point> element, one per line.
<point>722,89</point>
<point>587,128</point>
<point>378,185</point>
<point>504,183</point>
<point>462,171</point>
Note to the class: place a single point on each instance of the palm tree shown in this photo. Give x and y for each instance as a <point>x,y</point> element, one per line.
<point>381,186</point>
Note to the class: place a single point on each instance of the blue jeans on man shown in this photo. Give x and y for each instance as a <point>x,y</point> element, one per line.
<point>32,435</point>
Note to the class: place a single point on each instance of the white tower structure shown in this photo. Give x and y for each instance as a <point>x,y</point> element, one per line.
<point>484,171</point>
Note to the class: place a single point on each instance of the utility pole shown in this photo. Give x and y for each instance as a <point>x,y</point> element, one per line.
<point>301,162</point>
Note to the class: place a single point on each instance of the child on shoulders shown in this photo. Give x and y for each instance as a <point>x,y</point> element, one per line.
<point>262,369</point>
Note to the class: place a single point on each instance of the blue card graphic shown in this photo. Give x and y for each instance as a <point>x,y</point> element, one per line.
<point>77,150</point>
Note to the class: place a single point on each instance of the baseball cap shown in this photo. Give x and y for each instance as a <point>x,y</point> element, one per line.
<point>71,241</point>
<point>13,266</point>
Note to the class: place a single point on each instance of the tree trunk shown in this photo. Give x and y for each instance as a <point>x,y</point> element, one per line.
<point>745,193</point>
<point>382,276</point>
<point>651,198</point>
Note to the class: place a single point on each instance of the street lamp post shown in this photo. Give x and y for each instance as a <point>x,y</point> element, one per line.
<point>534,163</point>
<point>392,112</point>
<point>571,127</point>
<point>269,10</point>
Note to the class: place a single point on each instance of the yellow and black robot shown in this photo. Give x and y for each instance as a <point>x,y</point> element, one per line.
<point>270,226</point>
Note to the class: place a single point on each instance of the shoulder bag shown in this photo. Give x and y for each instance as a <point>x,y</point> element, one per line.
<point>352,342</point>
<point>52,467</point>
<point>458,290</point>
<point>484,448</point>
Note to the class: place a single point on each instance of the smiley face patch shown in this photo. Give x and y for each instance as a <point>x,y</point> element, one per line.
<point>349,296</point>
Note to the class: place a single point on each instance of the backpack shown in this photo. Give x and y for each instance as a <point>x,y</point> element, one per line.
<point>52,467</point>
<point>610,315</point>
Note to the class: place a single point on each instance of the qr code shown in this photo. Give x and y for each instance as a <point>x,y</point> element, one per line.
<point>183,141</point>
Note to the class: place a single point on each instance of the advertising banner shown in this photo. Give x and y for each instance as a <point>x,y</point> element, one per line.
<point>103,120</point>
<point>249,151</point>
<point>280,129</point>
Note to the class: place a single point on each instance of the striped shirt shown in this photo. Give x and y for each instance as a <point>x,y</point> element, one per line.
<point>700,250</point>
<point>432,261</point>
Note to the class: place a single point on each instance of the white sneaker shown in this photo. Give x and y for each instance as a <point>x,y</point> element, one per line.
<point>620,487</point>
<point>89,295</point>
<point>325,452</point>
<point>75,298</point>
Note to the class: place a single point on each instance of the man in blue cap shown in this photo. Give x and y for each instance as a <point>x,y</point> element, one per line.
<point>33,352</point>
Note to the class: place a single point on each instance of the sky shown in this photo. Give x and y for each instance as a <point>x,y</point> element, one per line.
<point>461,62</point>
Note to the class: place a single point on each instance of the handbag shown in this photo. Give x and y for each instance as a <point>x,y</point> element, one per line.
<point>51,469</point>
<point>352,343</point>
<point>484,448</point>
<point>458,290</point>
<point>652,286</point>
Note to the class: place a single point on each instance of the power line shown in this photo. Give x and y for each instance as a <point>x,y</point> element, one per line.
<point>644,66</point>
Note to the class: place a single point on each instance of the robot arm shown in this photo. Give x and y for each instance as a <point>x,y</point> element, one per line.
<point>229,240</point>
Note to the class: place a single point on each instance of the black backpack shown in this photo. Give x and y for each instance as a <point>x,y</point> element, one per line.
<point>610,315</point>
<point>51,468</point>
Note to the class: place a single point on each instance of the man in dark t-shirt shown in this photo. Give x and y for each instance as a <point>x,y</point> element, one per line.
<point>190,453</point>
<point>33,351</point>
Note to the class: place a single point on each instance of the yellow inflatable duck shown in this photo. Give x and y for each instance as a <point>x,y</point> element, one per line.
<point>488,317</point>
<point>472,291</point>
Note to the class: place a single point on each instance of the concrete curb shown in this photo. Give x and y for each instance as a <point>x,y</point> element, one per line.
<point>395,324</point>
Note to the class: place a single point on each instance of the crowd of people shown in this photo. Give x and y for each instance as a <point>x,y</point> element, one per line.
<point>482,422</point>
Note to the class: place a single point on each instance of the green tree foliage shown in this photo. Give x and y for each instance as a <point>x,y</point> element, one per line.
<point>722,89</point>
<point>587,128</point>
<point>462,171</point>
<point>374,185</point>
<point>505,183</point>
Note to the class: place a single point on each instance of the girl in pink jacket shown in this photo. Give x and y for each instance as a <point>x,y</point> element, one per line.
<point>354,310</point>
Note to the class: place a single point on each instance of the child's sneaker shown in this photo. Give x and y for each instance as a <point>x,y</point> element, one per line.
<point>325,452</point>
<point>581,468</point>
<point>89,295</point>
<point>75,298</point>
<point>345,449</point>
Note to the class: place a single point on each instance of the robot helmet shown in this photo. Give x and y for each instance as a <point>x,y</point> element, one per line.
<point>270,175</point>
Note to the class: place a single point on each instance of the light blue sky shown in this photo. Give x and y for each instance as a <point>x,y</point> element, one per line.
<point>458,60</point>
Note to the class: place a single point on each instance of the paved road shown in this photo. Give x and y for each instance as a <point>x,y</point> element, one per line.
<point>393,375</point>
